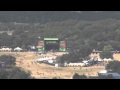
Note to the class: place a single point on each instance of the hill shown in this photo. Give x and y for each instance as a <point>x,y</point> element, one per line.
<point>48,16</point>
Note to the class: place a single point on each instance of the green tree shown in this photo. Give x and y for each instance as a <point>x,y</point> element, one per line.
<point>64,58</point>
<point>14,73</point>
<point>113,66</point>
<point>77,76</point>
<point>92,43</point>
<point>10,71</point>
<point>18,73</point>
<point>100,46</point>
<point>8,60</point>
<point>76,55</point>
<point>3,74</point>
<point>106,54</point>
<point>108,48</point>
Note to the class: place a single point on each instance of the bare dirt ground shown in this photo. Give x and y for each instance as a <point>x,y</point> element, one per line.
<point>44,71</point>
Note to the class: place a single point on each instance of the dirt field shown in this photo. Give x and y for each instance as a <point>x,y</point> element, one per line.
<point>26,60</point>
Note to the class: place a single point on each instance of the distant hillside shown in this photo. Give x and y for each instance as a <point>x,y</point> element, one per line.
<point>48,16</point>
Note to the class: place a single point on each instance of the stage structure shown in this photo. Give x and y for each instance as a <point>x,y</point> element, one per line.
<point>48,44</point>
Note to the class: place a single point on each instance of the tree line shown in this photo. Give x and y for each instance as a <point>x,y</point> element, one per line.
<point>82,36</point>
<point>93,34</point>
<point>48,16</point>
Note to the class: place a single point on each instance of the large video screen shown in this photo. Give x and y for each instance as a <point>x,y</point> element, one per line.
<point>62,46</point>
<point>41,46</point>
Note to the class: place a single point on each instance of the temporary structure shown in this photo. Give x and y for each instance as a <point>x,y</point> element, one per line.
<point>18,49</point>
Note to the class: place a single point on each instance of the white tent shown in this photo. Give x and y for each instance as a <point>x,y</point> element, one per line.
<point>43,59</point>
<point>17,49</point>
<point>103,71</point>
<point>109,59</point>
<point>50,61</point>
<point>5,49</point>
